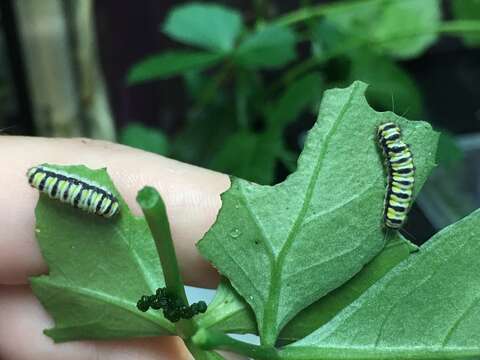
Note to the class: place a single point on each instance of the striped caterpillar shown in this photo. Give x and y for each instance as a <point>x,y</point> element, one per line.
<point>74,190</point>
<point>400,171</point>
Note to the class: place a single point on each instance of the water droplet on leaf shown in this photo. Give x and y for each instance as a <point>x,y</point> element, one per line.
<point>235,233</point>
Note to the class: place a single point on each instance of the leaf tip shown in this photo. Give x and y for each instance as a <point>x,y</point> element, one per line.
<point>360,85</point>
<point>52,334</point>
<point>132,77</point>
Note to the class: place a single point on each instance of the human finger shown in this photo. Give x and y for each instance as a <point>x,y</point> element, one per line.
<point>191,194</point>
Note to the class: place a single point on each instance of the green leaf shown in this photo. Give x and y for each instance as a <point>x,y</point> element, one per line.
<point>168,64</point>
<point>213,27</point>
<point>98,269</point>
<point>301,94</point>
<point>407,27</point>
<point>270,47</point>
<point>285,246</point>
<point>145,138</point>
<point>467,10</point>
<point>253,156</point>
<point>399,28</point>
<point>249,155</point>
<point>228,312</point>
<point>391,87</point>
<point>426,308</point>
<point>322,311</point>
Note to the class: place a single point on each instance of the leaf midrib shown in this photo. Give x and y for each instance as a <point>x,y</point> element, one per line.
<point>269,329</point>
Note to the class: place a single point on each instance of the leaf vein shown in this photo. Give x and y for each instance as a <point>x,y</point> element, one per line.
<point>138,259</point>
<point>457,322</point>
<point>271,310</point>
<point>241,270</point>
<point>329,259</point>
<point>113,300</point>
<point>253,216</point>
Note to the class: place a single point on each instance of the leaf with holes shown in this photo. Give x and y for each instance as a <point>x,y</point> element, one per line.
<point>391,86</point>
<point>98,269</point>
<point>285,246</point>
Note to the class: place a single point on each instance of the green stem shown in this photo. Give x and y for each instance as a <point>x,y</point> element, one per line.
<point>310,12</point>
<point>447,27</point>
<point>197,353</point>
<point>155,213</point>
<point>459,27</point>
<point>211,339</point>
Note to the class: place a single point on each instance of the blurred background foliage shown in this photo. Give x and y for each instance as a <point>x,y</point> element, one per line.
<point>234,85</point>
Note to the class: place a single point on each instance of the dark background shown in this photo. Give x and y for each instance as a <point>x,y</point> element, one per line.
<point>128,32</point>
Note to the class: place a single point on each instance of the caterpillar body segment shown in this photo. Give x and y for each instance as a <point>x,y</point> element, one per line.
<point>400,175</point>
<point>74,190</point>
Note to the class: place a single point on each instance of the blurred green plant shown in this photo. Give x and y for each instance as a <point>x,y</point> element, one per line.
<point>248,84</point>
<point>468,10</point>
<point>145,138</point>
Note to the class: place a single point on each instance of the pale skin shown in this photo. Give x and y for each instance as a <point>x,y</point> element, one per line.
<point>192,197</point>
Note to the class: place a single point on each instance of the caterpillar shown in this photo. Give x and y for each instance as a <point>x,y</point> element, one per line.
<point>74,190</point>
<point>400,175</point>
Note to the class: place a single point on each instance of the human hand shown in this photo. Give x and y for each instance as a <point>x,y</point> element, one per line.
<point>192,197</point>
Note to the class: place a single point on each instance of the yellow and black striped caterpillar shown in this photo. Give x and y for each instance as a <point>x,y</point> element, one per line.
<point>74,190</point>
<point>400,175</point>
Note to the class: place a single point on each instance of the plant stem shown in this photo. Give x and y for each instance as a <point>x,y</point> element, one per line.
<point>155,213</point>
<point>448,27</point>
<point>460,27</point>
<point>211,339</point>
<point>198,354</point>
<point>310,12</point>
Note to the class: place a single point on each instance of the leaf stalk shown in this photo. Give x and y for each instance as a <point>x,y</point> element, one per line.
<point>215,340</point>
<point>155,213</point>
